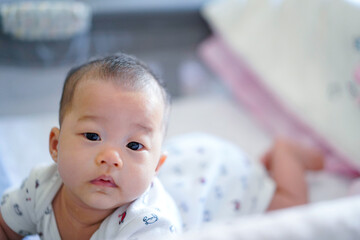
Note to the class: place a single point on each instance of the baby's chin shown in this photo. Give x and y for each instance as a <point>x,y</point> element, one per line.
<point>103,205</point>
<point>104,202</point>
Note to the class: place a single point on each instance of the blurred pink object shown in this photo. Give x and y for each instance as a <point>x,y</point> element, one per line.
<point>357,74</point>
<point>354,188</point>
<point>266,108</point>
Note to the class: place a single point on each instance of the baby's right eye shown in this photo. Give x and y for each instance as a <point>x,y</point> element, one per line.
<point>92,136</point>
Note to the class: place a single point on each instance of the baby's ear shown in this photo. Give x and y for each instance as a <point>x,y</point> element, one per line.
<point>53,143</point>
<point>161,161</point>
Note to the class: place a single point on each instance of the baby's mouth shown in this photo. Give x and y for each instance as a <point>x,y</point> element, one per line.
<point>106,181</point>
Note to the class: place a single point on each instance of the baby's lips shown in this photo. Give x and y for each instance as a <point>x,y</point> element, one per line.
<point>104,180</point>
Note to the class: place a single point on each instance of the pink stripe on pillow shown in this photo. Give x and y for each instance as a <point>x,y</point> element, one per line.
<point>264,106</point>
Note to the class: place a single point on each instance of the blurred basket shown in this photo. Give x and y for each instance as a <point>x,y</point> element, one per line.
<point>44,32</point>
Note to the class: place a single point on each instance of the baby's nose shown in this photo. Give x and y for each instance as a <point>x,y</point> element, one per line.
<point>109,157</point>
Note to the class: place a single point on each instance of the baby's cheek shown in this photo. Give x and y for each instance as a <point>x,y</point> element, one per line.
<point>69,172</point>
<point>138,182</point>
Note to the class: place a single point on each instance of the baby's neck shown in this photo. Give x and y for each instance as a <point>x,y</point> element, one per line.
<point>75,221</point>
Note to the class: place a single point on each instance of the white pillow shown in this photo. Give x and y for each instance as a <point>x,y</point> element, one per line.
<point>306,53</point>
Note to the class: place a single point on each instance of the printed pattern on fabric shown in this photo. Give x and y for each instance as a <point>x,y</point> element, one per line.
<point>212,179</point>
<point>29,204</point>
<point>28,210</point>
<point>151,216</point>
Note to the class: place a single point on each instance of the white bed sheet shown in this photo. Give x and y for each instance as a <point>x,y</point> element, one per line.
<point>331,220</point>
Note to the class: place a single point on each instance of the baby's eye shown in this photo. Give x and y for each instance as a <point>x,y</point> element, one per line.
<point>92,136</point>
<point>134,146</point>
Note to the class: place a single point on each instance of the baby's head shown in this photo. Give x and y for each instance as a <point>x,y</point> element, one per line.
<point>113,114</point>
<point>123,70</point>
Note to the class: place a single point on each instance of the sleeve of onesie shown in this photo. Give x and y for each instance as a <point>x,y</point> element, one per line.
<point>17,207</point>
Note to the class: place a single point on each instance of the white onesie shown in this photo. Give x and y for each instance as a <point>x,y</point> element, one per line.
<point>28,211</point>
<point>212,179</point>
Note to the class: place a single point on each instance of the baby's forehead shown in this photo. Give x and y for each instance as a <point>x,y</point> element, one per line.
<point>152,90</point>
<point>148,100</point>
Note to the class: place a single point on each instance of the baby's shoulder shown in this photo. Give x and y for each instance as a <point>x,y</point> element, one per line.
<point>153,215</point>
<point>40,187</point>
<point>153,205</point>
<point>24,207</point>
<point>42,179</point>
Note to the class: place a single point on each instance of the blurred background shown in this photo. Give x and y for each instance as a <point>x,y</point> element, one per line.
<point>245,70</point>
<point>165,34</point>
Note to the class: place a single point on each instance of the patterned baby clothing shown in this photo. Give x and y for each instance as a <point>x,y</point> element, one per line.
<point>213,179</point>
<point>28,210</point>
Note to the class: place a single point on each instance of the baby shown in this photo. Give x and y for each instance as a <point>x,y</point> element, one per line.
<point>107,153</point>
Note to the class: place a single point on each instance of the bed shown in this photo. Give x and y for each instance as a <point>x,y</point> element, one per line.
<point>29,133</point>
<point>334,211</point>
<point>271,54</point>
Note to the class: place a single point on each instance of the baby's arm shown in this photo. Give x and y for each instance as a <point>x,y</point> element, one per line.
<point>287,163</point>
<point>6,232</point>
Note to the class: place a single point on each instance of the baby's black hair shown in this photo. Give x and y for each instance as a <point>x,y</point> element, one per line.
<point>125,70</point>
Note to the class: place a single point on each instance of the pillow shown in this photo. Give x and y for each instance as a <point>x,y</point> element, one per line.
<point>304,55</point>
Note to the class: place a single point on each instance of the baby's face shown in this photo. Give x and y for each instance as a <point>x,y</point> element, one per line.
<point>109,145</point>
